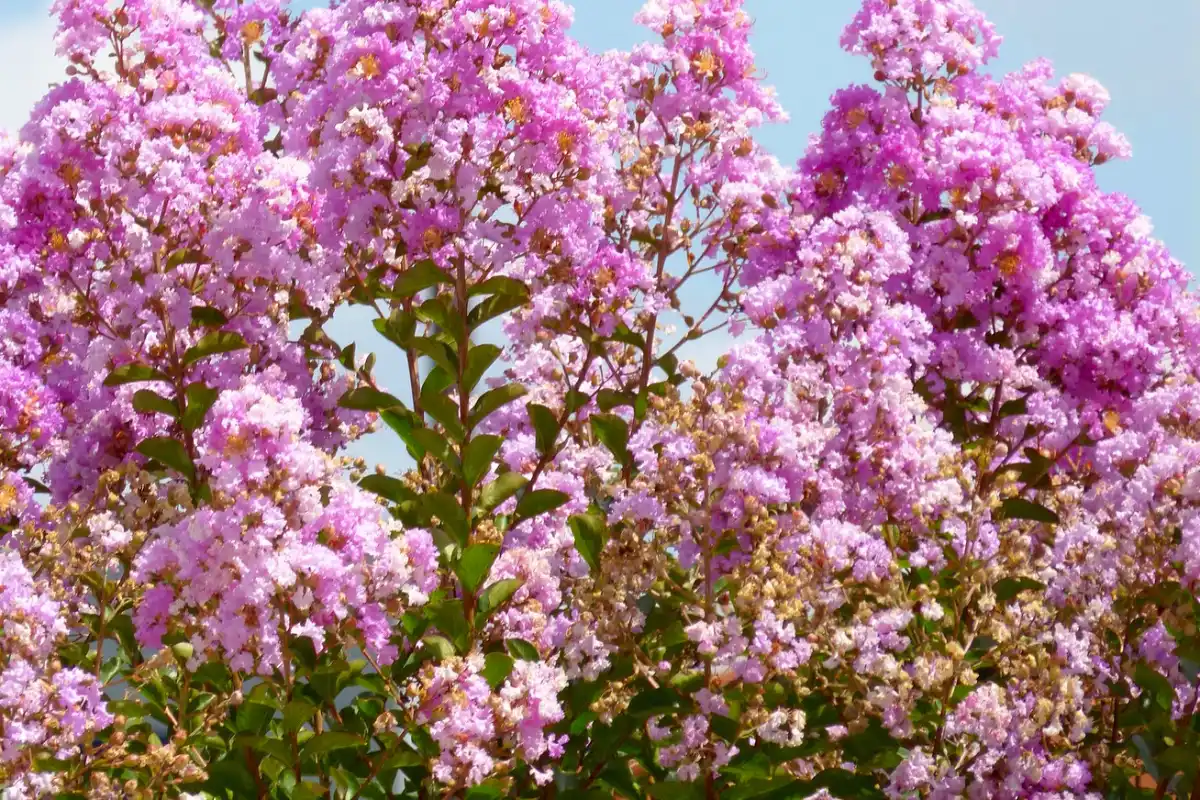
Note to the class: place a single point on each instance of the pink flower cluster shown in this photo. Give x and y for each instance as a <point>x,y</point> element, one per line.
<point>934,486</point>
<point>287,547</point>
<point>44,707</point>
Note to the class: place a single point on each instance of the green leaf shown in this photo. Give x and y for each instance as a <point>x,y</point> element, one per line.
<point>676,790</point>
<point>1014,408</point>
<point>608,399</point>
<point>479,359</point>
<point>230,776</point>
<point>430,441</point>
<point>590,530</point>
<point>842,783</point>
<point>1019,508</point>
<point>446,508</point>
<point>497,595</point>
<point>388,488</point>
<point>397,328</point>
<point>406,424</point>
<point>200,398</point>
<point>496,398</point>
<point>296,714</point>
<point>872,747</point>
<point>185,256</point>
<point>488,790</point>
<point>451,619</point>
<point>1154,686</point>
<point>576,400</point>
<point>436,349</point>
<point>724,727</point>
<point>539,501</point>
<point>37,485</point>
<point>418,157</point>
<point>1180,758</point>
<point>499,284</point>
<point>329,741</point>
<point>441,647</point>
<point>496,669</point>
<point>652,702</point>
<point>641,405</point>
<point>208,317</point>
<point>1008,588</point>
<point>545,426</point>
<point>472,569</point>
<point>213,344</point>
<point>613,433</point>
<point>419,277</point>
<point>346,356</point>
<point>51,764</point>
<point>505,486</point>
<point>364,398</point>
<point>149,402</point>
<point>439,312</point>
<point>627,336</point>
<point>134,373</point>
<point>436,381</point>
<point>519,648</point>
<point>443,410</point>
<point>169,452</point>
<point>493,307</point>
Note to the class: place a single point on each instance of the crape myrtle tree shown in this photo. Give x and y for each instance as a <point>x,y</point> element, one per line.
<point>931,528</point>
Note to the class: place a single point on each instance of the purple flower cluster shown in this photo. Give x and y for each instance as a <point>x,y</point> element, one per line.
<point>936,495</point>
<point>45,708</point>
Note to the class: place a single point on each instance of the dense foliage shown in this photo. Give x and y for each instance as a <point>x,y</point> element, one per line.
<point>931,528</point>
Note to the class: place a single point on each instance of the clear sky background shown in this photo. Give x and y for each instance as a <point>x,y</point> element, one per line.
<point>1146,52</point>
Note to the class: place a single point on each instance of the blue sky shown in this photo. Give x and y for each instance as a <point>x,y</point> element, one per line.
<point>1144,52</point>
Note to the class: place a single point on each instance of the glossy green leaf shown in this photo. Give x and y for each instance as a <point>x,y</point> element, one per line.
<point>497,667</point>
<point>539,501</point>
<point>450,618</point>
<point>494,306</point>
<point>437,350</point>
<point>330,740</point>
<point>296,713</point>
<point>472,569</point>
<point>388,488</point>
<point>1008,588</point>
<point>170,452</point>
<point>134,373</point>
<point>446,508</point>
<point>497,595</point>
<point>505,486</point>
<point>208,316</point>
<point>441,313</point>
<point>499,284</point>
<point>477,460</point>
<point>519,648</point>
<point>613,433</point>
<point>1019,508</point>
<point>443,410</point>
<point>590,531</point>
<point>545,426</point>
<point>365,398</point>
<point>200,398</point>
<point>150,402</point>
<point>418,277</point>
<point>652,702</point>
<point>479,359</point>
<point>441,647</point>
<point>213,344</point>
<point>608,399</point>
<point>493,400</point>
